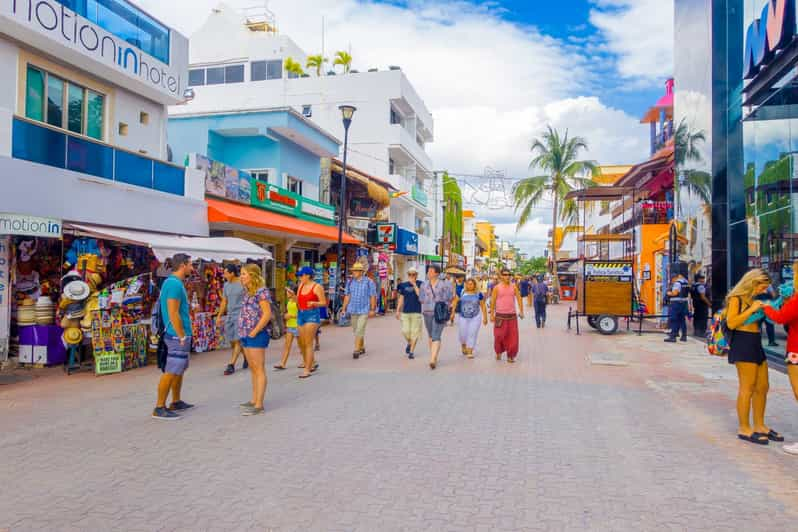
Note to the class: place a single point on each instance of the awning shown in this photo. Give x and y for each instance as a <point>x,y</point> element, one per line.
<point>222,212</point>
<point>215,249</point>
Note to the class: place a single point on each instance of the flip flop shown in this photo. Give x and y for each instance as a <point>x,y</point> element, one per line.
<point>773,436</point>
<point>315,367</point>
<point>280,367</point>
<point>755,438</point>
<point>303,376</point>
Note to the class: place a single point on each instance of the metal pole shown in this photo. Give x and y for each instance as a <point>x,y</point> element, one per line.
<point>341,222</point>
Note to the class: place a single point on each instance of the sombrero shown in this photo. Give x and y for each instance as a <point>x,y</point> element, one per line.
<point>77,291</point>
<point>73,336</point>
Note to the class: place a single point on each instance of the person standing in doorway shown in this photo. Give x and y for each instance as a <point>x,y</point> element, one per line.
<point>232,299</point>
<point>540,297</point>
<point>436,307</point>
<point>256,312</point>
<point>408,310</point>
<point>701,305</point>
<point>177,336</point>
<point>473,314</point>
<point>678,308</point>
<point>506,307</point>
<point>360,301</point>
<point>310,298</point>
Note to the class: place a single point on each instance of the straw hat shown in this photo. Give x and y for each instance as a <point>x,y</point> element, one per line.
<point>77,291</point>
<point>73,336</point>
<point>357,267</point>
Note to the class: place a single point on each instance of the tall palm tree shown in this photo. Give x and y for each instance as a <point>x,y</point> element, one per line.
<point>558,156</point>
<point>293,67</point>
<point>686,144</point>
<point>316,62</point>
<point>344,59</point>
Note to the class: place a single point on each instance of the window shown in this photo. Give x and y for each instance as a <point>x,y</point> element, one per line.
<point>144,118</point>
<point>307,111</point>
<point>63,104</point>
<point>234,74</point>
<point>215,76</point>
<point>391,166</point>
<point>196,77</point>
<point>260,175</point>
<point>294,185</point>
<point>396,118</point>
<point>123,129</point>
<point>769,196</point>
<point>262,70</point>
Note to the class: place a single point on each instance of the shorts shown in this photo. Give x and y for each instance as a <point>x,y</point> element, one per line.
<point>178,356</point>
<point>231,328</point>
<point>434,329</point>
<point>311,315</point>
<point>261,340</point>
<point>292,330</point>
<point>359,324</point>
<point>411,326</point>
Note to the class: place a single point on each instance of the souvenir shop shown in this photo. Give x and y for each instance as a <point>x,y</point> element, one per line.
<point>87,298</point>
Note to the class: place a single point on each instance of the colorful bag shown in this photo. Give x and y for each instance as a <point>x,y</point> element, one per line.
<point>719,335</point>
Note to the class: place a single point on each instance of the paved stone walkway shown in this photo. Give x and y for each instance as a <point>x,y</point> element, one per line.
<point>383,443</point>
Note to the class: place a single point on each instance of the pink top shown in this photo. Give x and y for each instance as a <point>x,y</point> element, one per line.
<point>505,299</point>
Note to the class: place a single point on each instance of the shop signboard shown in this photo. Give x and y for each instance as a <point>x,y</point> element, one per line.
<point>386,233</point>
<point>107,363</point>
<point>768,34</point>
<point>23,225</point>
<point>406,242</point>
<point>5,294</point>
<point>223,181</point>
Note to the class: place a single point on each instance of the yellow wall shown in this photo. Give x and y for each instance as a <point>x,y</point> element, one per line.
<point>487,233</point>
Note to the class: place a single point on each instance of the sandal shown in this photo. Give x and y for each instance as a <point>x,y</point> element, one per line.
<point>773,436</point>
<point>303,376</point>
<point>315,367</point>
<point>759,439</point>
<point>278,367</point>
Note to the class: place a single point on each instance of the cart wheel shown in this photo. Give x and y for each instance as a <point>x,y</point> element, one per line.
<point>591,320</point>
<point>607,324</point>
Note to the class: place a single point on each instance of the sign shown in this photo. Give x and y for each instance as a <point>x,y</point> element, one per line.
<point>224,181</point>
<point>23,225</point>
<point>107,363</point>
<point>386,233</point>
<point>773,30</point>
<point>608,268</point>
<point>406,242</point>
<point>5,294</point>
<point>318,210</point>
<point>70,30</point>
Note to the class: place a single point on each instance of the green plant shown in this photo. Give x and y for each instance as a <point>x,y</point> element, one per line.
<point>558,156</point>
<point>293,67</point>
<point>343,59</point>
<point>316,62</point>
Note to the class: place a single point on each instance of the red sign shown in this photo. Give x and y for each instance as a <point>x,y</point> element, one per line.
<point>261,191</point>
<point>279,198</point>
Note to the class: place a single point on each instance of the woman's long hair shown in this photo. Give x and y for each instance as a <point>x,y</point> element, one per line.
<point>256,281</point>
<point>744,289</point>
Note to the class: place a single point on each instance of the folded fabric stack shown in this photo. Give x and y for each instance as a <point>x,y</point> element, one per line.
<point>45,311</point>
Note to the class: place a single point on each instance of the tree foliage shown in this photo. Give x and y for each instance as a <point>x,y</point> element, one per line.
<point>316,62</point>
<point>344,59</point>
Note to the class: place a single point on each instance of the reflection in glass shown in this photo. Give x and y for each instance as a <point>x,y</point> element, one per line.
<point>75,109</point>
<point>55,101</point>
<point>94,114</point>
<point>34,94</point>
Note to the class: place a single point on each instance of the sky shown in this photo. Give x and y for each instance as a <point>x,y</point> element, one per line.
<point>494,74</point>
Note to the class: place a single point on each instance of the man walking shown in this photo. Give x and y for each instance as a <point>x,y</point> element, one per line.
<point>524,286</point>
<point>677,308</point>
<point>701,305</point>
<point>540,296</point>
<point>506,307</point>
<point>177,336</point>
<point>408,310</point>
<point>360,299</point>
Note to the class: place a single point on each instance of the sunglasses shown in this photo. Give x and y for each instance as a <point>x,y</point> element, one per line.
<point>506,275</point>
<point>413,274</point>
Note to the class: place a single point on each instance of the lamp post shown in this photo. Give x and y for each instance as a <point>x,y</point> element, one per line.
<point>347,111</point>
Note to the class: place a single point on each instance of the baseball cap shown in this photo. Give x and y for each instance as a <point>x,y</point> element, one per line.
<point>306,270</point>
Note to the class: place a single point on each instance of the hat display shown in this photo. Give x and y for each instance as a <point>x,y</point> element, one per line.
<point>357,267</point>
<point>73,336</point>
<point>77,291</point>
<point>26,313</point>
<point>44,311</point>
<point>69,277</point>
<point>75,311</point>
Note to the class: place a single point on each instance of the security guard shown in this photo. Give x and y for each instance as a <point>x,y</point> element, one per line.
<point>701,305</point>
<point>679,296</point>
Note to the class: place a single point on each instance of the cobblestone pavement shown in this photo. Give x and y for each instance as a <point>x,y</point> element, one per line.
<point>383,443</point>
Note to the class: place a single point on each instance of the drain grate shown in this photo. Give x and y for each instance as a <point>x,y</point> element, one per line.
<point>606,359</point>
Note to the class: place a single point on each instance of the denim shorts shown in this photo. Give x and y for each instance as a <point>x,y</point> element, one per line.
<point>261,340</point>
<point>308,316</point>
<point>292,330</point>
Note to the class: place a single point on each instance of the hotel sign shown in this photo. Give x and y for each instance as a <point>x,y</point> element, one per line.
<point>70,30</point>
<point>769,33</point>
<point>23,225</point>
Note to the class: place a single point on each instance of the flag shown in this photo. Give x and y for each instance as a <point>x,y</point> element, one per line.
<point>395,195</point>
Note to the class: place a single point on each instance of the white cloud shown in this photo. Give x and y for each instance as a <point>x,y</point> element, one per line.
<point>491,85</point>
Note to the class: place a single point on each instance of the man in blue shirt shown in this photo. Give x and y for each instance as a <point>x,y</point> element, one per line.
<point>360,300</point>
<point>177,336</point>
<point>678,297</point>
<point>408,310</point>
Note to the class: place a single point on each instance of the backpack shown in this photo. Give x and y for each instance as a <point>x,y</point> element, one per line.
<point>719,336</point>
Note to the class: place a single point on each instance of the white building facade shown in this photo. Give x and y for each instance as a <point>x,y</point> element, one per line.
<point>238,63</point>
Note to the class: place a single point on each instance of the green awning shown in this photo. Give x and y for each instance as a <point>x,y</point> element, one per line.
<point>433,258</point>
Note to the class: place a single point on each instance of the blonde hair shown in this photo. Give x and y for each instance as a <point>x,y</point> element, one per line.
<point>471,280</point>
<point>256,281</point>
<point>744,289</point>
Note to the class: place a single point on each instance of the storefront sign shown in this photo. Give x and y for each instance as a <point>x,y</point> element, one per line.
<point>70,30</point>
<point>5,294</point>
<point>20,224</point>
<point>386,233</point>
<point>772,31</point>
<point>406,242</point>
<point>608,269</point>
<point>318,210</point>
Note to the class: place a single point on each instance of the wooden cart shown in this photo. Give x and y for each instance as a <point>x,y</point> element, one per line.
<point>604,294</point>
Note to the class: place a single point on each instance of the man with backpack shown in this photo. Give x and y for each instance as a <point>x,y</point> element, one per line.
<point>678,300</point>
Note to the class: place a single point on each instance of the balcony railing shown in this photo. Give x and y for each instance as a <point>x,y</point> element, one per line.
<point>42,144</point>
<point>418,194</point>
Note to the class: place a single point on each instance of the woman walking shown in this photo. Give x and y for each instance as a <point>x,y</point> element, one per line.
<point>229,310</point>
<point>291,331</point>
<point>473,315</point>
<point>436,307</point>
<point>310,298</point>
<point>506,306</point>
<point>746,353</point>
<point>255,316</point>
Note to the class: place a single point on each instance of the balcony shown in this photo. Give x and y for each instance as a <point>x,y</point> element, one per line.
<point>419,195</point>
<point>406,150</point>
<point>38,143</point>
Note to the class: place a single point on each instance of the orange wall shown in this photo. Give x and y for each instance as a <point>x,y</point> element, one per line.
<point>648,254</point>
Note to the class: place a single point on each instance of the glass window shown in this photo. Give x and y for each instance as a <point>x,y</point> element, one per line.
<point>257,70</point>
<point>75,108</point>
<point>34,94</point>
<point>94,114</point>
<point>294,185</point>
<point>234,74</point>
<point>55,101</point>
<point>196,77</point>
<point>275,69</point>
<point>215,76</point>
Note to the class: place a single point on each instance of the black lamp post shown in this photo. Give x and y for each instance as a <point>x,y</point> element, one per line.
<point>347,111</point>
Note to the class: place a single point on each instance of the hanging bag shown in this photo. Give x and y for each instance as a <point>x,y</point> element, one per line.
<point>442,314</point>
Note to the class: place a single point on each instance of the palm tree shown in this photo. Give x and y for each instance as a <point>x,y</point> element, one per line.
<point>293,67</point>
<point>317,62</point>
<point>686,143</point>
<point>344,59</point>
<point>558,156</point>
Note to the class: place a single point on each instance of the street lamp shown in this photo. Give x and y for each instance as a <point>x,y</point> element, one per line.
<point>347,111</point>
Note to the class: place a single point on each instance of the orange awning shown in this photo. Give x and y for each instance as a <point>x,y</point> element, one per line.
<point>224,212</point>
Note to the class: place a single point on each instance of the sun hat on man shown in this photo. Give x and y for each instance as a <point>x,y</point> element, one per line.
<point>357,267</point>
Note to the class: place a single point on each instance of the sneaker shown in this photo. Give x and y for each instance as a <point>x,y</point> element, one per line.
<point>229,370</point>
<point>791,449</point>
<point>407,349</point>
<point>773,344</point>
<point>245,365</point>
<point>248,404</point>
<point>411,356</point>
<point>163,413</point>
<point>684,338</point>
<point>670,340</point>
<point>180,405</point>
<point>251,411</point>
